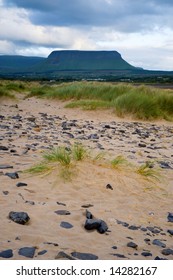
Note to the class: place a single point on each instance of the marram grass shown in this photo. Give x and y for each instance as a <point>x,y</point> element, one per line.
<point>139,102</point>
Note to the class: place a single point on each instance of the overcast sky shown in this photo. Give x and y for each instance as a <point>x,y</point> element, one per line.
<point>141,30</point>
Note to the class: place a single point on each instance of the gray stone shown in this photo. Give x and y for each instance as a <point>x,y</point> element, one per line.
<point>27,252</point>
<point>7,254</point>
<point>63,256</point>
<point>62,212</point>
<point>13,175</point>
<point>157,242</point>
<point>170,217</point>
<point>4,166</point>
<point>167,252</point>
<point>19,217</point>
<point>20,184</point>
<point>84,256</point>
<point>66,225</point>
<point>132,245</point>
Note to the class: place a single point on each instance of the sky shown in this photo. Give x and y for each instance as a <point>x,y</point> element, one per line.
<point>140,30</point>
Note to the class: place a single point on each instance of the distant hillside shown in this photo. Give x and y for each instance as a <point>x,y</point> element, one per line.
<point>17,63</point>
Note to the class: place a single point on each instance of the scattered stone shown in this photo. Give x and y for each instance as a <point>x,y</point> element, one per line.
<point>158,258</point>
<point>4,166</point>
<point>143,229</point>
<point>62,255</point>
<point>84,256</point>
<point>13,175</point>
<point>170,217</point>
<point>62,212</point>
<point>141,145</point>
<point>146,254</point>
<point>7,254</point>
<point>5,192</point>
<point>30,202</point>
<point>60,203</point>
<point>132,245</point>
<point>108,186</point>
<point>133,227</point>
<point>20,184</point>
<point>66,225</point>
<point>51,243</point>
<point>114,247</point>
<point>19,217</point>
<point>87,205</point>
<point>42,252</point>
<point>103,227</point>
<point>167,252</point>
<point>157,242</point>
<point>3,148</point>
<point>165,165</point>
<point>27,252</point>
<point>170,231</point>
<point>119,256</point>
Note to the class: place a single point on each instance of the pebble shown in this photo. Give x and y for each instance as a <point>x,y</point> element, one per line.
<point>3,148</point>
<point>170,231</point>
<point>146,254</point>
<point>62,255</point>
<point>3,166</point>
<point>157,242</point>
<point>20,184</point>
<point>19,217</point>
<point>62,212</point>
<point>170,217</point>
<point>66,225</point>
<point>97,224</point>
<point>27,252</point>
<point>13,175</point>
<point>167,252</point>
<point>7,254</point>
<point>108,186</point>
<point>43,252</point>
<point>132,245</point>
<point>84,256</point>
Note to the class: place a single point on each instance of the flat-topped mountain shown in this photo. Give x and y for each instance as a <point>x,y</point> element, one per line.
<point>88,60</point>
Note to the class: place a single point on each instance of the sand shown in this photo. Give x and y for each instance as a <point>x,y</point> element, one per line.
<point>134,199</point>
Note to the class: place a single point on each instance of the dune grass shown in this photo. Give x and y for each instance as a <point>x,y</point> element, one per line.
<point>147,171</point>
<point>139,102</point>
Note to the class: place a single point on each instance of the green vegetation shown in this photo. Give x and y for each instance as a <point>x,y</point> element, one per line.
<point>59,154</point>
<point>148,171</point>
<point>119,161</point>
<point>79,152</point>
<point>139,102</point>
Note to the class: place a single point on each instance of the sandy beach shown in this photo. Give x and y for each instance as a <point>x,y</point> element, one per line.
<point>135,208</point>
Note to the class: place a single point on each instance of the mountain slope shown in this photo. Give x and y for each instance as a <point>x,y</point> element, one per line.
<point>87,60</point>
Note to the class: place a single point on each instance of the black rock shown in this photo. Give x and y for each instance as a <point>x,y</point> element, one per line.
<point>170,217</point>
<point>30,202</point>
<point>52,243</point>
<point>146,254</point>
<point>60,203</point>
<point>165,165</point>
<point>91,224</point>
<point>3,148</point>
<point>132,245</point>
<point>66,225</point>
<point>7,254</point>
<point>84,256</point>
<point>167,252</point>
<point>27,252</point>
<point>42,252</point>
<point>114,247</point>
<point>141,145</point>
<point>103,227</point>
<point>13,175</point>
<point>119,256</point>
<point>170,231</point>
<point>157,242</point>
<point>133,227</point>
<point>158,258</point>
<point>108,186</point>
<point>20,184</point>
<point>62,212</point>
<point>4,166</point>
<point>19,217</point>
<point>89,215</point>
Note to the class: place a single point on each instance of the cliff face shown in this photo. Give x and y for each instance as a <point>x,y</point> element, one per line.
<point>88,60</point>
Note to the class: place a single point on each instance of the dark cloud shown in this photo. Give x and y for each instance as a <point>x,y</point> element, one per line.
<point>124,15</point>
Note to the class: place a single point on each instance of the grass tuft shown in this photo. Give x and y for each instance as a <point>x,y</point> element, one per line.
<point>148,171</point>
<point>58,154</point>
<point>119,161</point>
